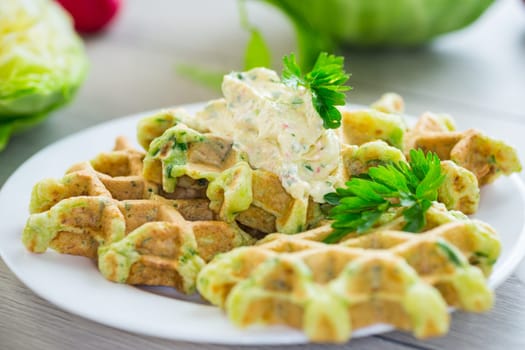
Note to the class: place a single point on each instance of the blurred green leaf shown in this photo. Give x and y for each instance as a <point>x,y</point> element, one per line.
<point>5,132</point>
<point>209,78</point>
<point>257,52</point>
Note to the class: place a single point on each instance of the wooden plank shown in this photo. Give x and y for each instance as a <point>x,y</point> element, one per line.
<point>501,328</point>
<point>29,322</point>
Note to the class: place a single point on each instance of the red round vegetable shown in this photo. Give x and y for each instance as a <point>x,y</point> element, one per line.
<point>91,15</point>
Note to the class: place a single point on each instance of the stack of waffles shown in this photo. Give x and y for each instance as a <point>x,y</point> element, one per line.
<point>191,213</point>
<point>144,225</point>
<point>105,210</point>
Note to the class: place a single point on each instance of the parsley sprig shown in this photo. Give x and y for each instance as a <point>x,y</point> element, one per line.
<point>413,186</point>
<point>326,81</point>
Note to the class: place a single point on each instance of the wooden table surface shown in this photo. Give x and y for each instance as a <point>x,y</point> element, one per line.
<point>477,75</point>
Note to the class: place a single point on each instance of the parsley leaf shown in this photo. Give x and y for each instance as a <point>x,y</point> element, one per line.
<point>326,82</point>
<point>412,186</point>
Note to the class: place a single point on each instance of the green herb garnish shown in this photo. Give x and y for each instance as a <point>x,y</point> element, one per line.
<point>412,186</point>
<point>326,81</point>
<point>450,252</point>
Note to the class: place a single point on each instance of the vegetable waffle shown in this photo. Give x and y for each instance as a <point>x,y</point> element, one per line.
<point>255,199</point>
<point>385,276</point>
<point>104,205</point>
<point>486,157</point>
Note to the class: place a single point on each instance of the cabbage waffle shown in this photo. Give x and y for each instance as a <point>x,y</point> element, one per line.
<point>116,174</point>
<point>386,276</point>
<point>255,199</point>
<point>166,249</point>
<point>110,178</point>
<point>103,205</point>
<point>486,157</point>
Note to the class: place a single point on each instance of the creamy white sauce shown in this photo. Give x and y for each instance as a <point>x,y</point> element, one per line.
<point>280,130</point>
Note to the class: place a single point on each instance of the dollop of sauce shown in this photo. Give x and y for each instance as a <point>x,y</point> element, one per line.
<point>279,129</point>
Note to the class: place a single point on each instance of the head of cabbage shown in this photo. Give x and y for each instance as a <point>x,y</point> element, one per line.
<point>328,24</point>
<point>42,62</point>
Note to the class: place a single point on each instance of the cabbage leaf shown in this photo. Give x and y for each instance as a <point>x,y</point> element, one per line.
<point>42,62</point>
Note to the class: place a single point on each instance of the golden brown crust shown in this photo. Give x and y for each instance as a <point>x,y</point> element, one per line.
<point>487,158</point>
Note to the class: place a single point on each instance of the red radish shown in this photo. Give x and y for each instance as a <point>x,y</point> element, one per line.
<point>91,15</point>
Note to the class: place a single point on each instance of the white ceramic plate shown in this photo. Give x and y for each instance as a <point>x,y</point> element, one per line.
<point>75,285</point>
